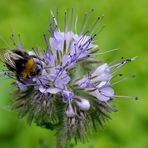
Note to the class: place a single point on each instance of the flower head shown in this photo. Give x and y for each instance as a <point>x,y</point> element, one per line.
<point>66,90</point>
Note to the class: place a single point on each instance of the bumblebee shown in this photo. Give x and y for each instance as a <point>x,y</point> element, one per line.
<point>21,63</point>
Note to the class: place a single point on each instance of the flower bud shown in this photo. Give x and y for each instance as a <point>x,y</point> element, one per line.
<point>70,111</point>
<point>83,104</point>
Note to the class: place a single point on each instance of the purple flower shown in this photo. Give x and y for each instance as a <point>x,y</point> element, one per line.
<point>67,95</point>
<point>102,73</point>
<point>103,93</point>
<point>65,88</point>
<point>59,77</point>
<point>98,83</point>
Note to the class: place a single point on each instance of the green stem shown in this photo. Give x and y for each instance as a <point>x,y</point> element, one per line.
<point>59,142</point>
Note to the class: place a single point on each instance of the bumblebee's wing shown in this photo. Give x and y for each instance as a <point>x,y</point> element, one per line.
<point>10,57</point>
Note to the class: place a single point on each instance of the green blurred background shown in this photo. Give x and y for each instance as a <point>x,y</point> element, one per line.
<point>126,28</point>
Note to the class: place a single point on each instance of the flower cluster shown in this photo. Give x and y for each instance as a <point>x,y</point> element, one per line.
<point>72,90</point>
